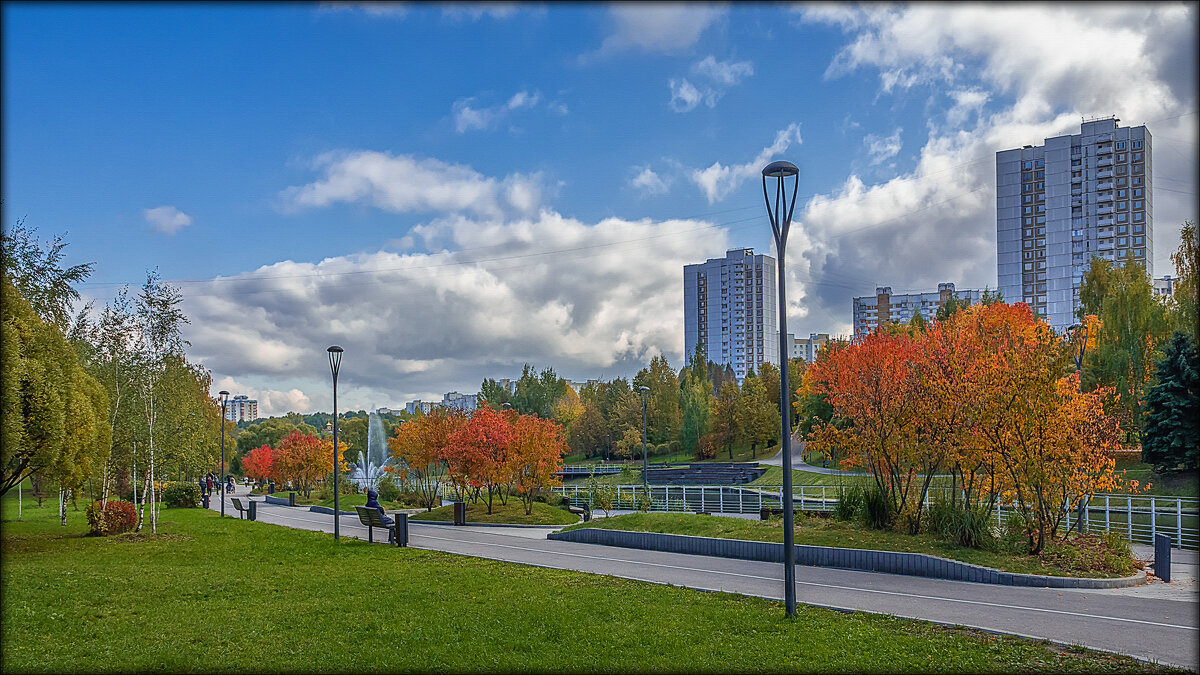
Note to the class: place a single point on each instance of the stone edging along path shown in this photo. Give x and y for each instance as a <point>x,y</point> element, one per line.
<point>892,562</point>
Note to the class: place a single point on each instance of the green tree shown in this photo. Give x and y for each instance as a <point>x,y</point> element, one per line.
<point>759,417</point>
<point>37,273</point>
<point>493,394</point>
<point>1171,434</point>
<point>695,403</point>
<point>662,403</point>
<point>1134,323</point>
<point>1186,298</point>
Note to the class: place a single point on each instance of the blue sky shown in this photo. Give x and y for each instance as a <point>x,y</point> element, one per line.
<point>449,191</point>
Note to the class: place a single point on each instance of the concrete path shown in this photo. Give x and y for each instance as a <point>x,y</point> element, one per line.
<point>1162,629</point>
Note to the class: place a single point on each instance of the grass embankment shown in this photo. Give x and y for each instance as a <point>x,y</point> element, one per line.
<point>828,532</point>
<point>513,512</point>
<point>741,453</point>
<point>238,596</point>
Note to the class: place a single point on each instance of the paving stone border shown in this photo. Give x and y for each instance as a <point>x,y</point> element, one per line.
<point>275,500</point>
<point>892,562</point>
<point>327,510</point>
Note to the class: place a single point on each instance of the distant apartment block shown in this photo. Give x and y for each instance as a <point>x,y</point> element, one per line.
<point>453,400</point>
<point>730,310</point>
<point>241,409</point>
<point>806,348</point>
<point>463,402</point>
<point>1060,203</point>
<point>872,311</point>
<point>1164,287</point>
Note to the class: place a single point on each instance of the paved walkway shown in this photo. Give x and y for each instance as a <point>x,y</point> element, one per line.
<point>1146,624</point>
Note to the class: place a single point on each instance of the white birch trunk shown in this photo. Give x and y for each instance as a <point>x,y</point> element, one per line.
<point>19,487</point>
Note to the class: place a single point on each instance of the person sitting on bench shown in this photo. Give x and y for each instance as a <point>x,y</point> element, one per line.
<point>372,503</point>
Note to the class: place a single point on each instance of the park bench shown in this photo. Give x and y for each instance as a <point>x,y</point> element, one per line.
<point>584,513</point>
<point>371,519</point>
<point>242,510</point>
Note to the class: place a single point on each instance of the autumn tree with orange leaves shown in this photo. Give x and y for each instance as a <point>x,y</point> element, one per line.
<point>305,459</point>
<point>477,453</point>
<point>535,455</point>
<point>259,463</point>
<point>419,445</point>
<point>979,395</point>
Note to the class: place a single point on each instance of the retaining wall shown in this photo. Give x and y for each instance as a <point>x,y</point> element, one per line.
<point>915,564</point>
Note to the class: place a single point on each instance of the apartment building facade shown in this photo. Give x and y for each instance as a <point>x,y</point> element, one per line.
<point>730,310</point>
<point>872,311</point>
<point>1060,203</point>
<point>241,409</point>
<point>806,348</point>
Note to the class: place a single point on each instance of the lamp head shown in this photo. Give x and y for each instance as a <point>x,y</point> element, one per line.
<point>335,350</point>
<point>780,169</point>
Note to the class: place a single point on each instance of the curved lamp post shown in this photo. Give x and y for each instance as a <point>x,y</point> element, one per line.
<point>221,477</point>
<point>335,363</point>
<point>781,222</point>
<point>645,462</point>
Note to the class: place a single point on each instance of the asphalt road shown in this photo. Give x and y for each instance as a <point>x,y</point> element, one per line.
<point>1156,629</point>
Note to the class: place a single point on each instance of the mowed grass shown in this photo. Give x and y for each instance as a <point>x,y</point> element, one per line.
<point>216,595</point>
<point>513,513</point>
<point>826,532</point>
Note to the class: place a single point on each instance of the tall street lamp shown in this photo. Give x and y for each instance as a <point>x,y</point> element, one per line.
<point>220,478</point>
<point>335,363</point>
<point>781,222</point>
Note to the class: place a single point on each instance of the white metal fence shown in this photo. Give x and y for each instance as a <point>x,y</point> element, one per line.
<point>1139,518</point>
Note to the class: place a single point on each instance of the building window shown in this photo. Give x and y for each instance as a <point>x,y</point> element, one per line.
<point>1121,205</point>
<point>1028,199</point>
<point>1137,204</point>
<point>1121,217</point>
<point>1140,253</point>
<point>1120,145</point>
<point>1137,241</point>
<point>1137,145</point>
<point>1040,163</point>
<point>1137,192</point>
<point>1028,266</point>
<point>1138,217</point>
<point>1027,165</point>
<point>1137,180</point>
<point>1027,176</point>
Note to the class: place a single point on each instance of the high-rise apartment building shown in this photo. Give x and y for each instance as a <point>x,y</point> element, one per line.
<point>1059,204</point>
<point>872,311</point>
<point>730,310</point>
<point>241,409</point>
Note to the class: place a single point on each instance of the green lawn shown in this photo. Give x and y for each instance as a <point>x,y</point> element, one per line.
<point>825,532</point>
<point>513,512</point>
<point>229,595</point>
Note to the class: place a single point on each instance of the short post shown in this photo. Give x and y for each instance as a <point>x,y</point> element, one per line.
<point>401,520</point>
<point>253,509</point>
<point>460,513</point>
<point>1162,557</point>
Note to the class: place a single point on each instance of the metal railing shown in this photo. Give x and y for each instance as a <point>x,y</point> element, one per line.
<point>1138,518</point>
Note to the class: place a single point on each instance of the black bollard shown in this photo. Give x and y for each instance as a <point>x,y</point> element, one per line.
<point>460,513</point>
<point>253,509</point>
<point>291,499</point>
<point>1162,557</point>
<point>401,529</point>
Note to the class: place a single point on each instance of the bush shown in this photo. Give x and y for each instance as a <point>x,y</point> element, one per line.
<point>849,504</point>
<point>644,502</point>
<point>962,524</point>
<point>388,492</point>
<point>117,517</point>
<point>181,495</point>
<point>877,508</point>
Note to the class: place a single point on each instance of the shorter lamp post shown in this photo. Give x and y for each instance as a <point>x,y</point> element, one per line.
<point>220,478</point>
<point>335,364</point>
<point>645,461</point>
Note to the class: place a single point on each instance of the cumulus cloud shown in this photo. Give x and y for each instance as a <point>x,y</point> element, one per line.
<point>685,96</point>
<point>648,182</point>
<point>545,289</point>
<point>718,180</point>
<point>882,148</point>
<point>405,183</point>
<point>656,27</point>
<point>1015,74</point>
<point>167,219</point>
<point>467,118</point>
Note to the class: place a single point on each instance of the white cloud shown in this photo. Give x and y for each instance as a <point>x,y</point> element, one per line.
<point>685,96</point>
<point>1015,74</point>
<point>406,184</point>
<point>468,118</point>
<point>718,180</point>
<point>648,182</point>
<point>477,10</point>
<point>271,402</point>
<point>882,148</point>
<point>726,73</point>
<point>167,219</point>
<point>546,289</point>
<point>656,27</point>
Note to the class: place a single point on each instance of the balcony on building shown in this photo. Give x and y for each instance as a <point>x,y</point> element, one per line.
<point>1105,221</point>
<point>1105,197</point>
<point>1104,150</point>
<point>1104,173</point>
<point>1103,162</point>
<point>1105,185</point>
<point>1104,209</point>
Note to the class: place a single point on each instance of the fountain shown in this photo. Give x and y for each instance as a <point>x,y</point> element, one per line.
<point>371,463</point>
